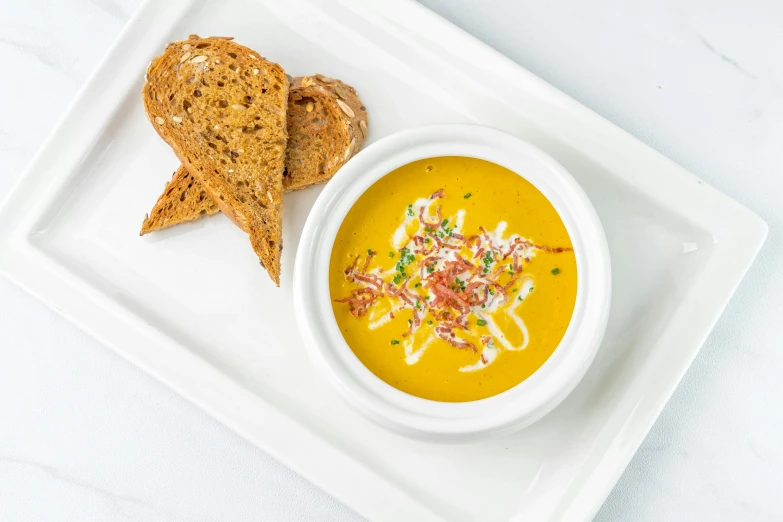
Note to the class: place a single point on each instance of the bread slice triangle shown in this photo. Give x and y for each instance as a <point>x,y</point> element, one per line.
<point>222,109</point>
<point>322,135</point>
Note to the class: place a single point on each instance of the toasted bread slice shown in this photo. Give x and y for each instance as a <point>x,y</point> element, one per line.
<point>327,124</point>
<point>322,136</point>
<point>222,109</point>
<point>183,200</point>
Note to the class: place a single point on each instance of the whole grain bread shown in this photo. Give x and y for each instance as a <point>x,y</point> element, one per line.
<point>222,109</point>
<point>327,124</point>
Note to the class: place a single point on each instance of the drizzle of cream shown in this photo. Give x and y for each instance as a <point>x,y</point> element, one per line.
<point>412,355</point>
<point>376,321</point>
<point>490,353</point>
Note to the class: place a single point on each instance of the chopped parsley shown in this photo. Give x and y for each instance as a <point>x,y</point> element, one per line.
<point>531,289</point>
<point>429,322</point>
<point>391,255</point>
<point>444,222</point>
<point>514,291</point>
<point>410,321</point>
<point>410,210</point>
<point>488,259</point>
<point>520,297</point>
<point>397,279</point>
<point>394,341</point>
<point>418,304</point>
<point>406,258</point>
<point>429,230</point>
<point>467,195</point>
<point>430,269</point>
<point>370,252</point>
<point>426,240</point>
<point>555,271</point>
<point>481,322</point>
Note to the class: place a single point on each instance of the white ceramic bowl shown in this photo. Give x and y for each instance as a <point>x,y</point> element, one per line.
<point>515,408</point>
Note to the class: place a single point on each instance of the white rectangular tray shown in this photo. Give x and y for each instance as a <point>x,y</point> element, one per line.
<point>192,307</point>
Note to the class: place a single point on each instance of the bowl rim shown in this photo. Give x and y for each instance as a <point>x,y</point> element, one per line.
<point>516,407</point>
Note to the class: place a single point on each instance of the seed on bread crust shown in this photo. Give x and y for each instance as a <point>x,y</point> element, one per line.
<point>340,92</point>
<point>363,127</point>
<point>345,108</point>
<point>198,59</point>
<point>307,81</point>
<point>349,150</point>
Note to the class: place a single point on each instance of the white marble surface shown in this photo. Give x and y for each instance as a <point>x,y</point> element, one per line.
<point>86,436</point>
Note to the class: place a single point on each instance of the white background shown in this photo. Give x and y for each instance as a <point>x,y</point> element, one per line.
<point>86,436</point>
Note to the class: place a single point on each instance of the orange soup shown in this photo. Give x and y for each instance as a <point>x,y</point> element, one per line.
<point>453,279</point>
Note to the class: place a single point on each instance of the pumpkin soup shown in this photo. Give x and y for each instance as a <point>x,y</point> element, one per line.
<point>452,279</point>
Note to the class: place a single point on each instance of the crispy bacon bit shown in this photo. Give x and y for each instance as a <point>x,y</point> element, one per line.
<point>499,288</point>
<point>439,194</point>
<point>446,333</point>
<point>350,268</point>
<point>360,301</point>
<point>367,261</point>
<point>485,339</point>
<point>518,242</point>
<point>363,297</point>
<point>433,225</point>
<point>557,250</point>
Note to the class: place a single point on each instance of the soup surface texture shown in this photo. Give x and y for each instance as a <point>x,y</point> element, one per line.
<point>452,279</point>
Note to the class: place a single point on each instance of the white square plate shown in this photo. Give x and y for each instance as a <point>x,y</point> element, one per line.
<point>192,307</point>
